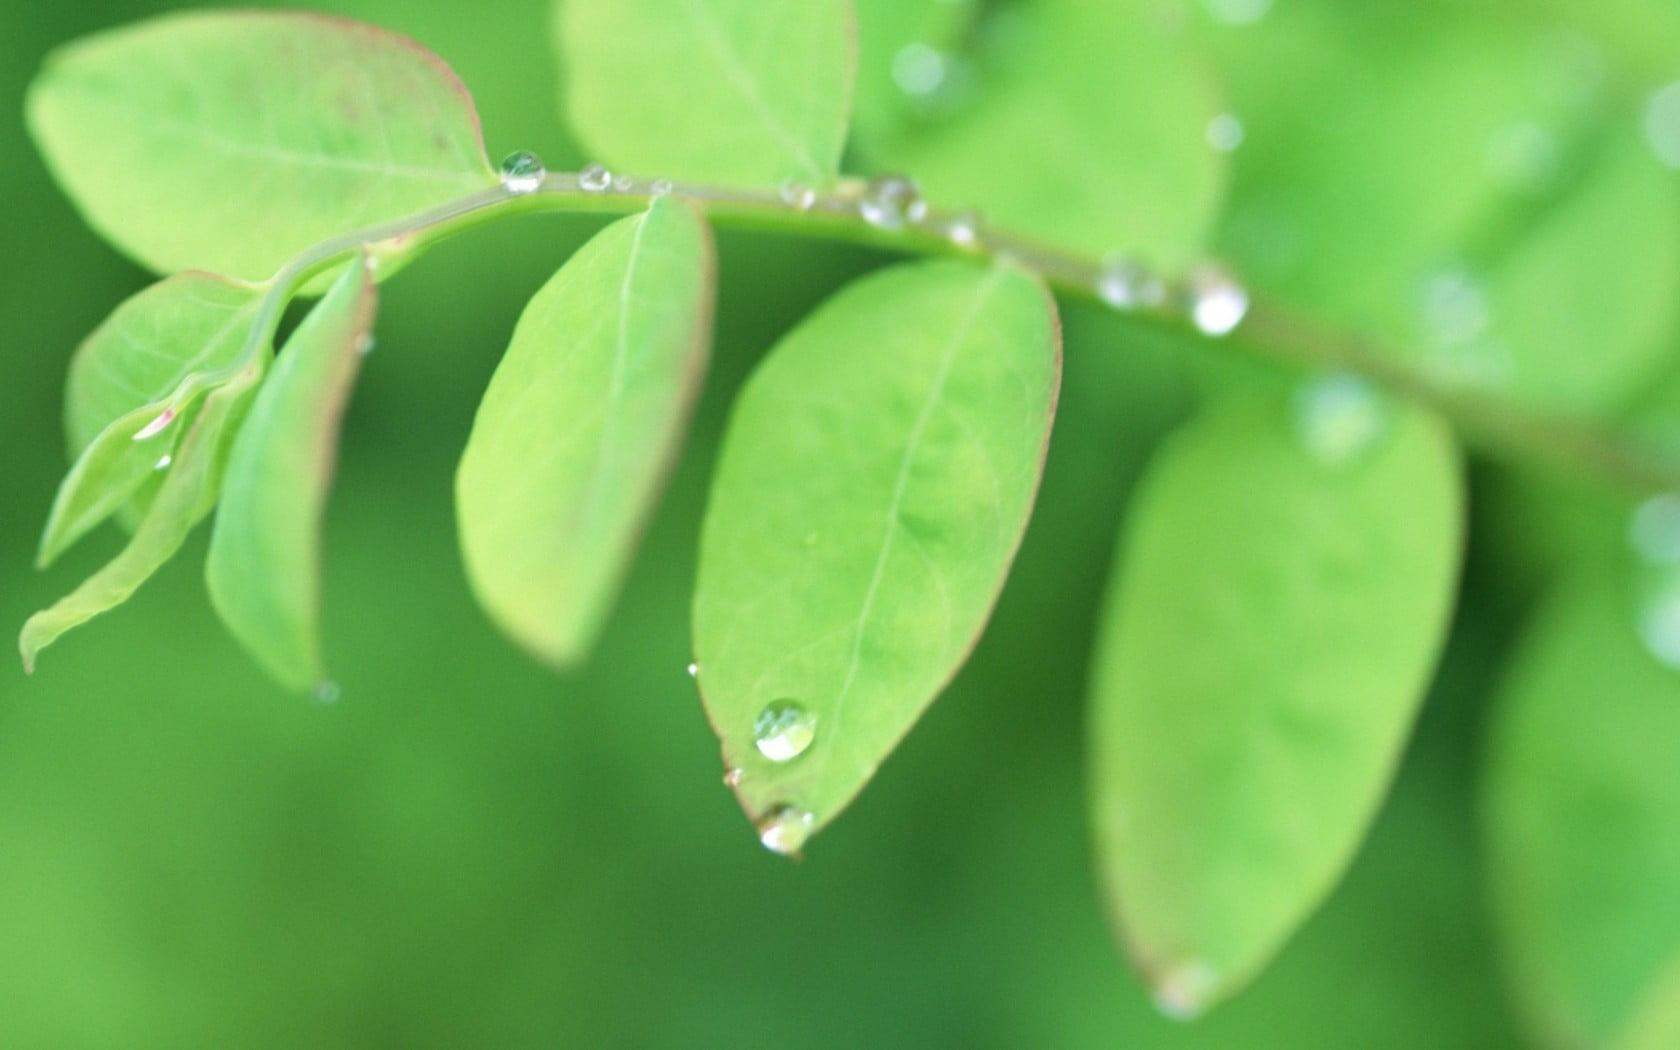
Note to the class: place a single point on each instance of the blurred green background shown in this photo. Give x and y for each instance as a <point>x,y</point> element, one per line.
<point>468,851</point>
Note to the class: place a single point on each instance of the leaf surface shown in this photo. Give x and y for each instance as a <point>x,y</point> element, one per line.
<point>875,480</point>
<point>1580,796</point>
<point>579,425</point>
<point>1267,638</point>
<point>732,91</point>
<point>231,140</point>
<point>264,568</point>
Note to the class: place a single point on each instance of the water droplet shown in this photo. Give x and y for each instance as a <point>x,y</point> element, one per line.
<point>662,187</point>
<point>156,426</point>
<point>1662,123</point>
<point>963,228</point>
<point>1182,993</point>
<point>784,730</point>
<point>327,692</point>
<point>1454,305</point>
<point>624,184</point>
<point>784,829</point>
<point>1217,302</point>
<point>1523,156</point>
<point>694,670</point>
<point>1659,623</point>
<point>595,179</point>
<point>732,778</point>
<point>365,343</point>
<point>1654,530</point>
<point>1339,417</point>
<point>1126,284</point>
<point>163,463</point>
<point>796,194</point>
<point>919,70</point>
<point>1225,132</point>
<point>1237,12</point>
<point>889,201</point>
<point>522,172</point>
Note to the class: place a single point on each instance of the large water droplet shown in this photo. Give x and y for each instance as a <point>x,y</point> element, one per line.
<point>595,179</point>
<point>1339,417</point>
<point>156,426</point>
<point>1182,993</point>
<point>797,195</point>
<point>1654,530</point>
<point>1662,123</point>
<point>784,730</point>
<point>919,70</point>
<point>1217,302</point>
<point>889,201</point>
<point>784,829</point>
<point>522,172</point>
<point>1225,132</point>
<point>1126,284</point>
<point>1659,623</point>
<point>1237,12</point>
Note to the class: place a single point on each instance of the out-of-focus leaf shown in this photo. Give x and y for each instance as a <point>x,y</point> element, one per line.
<point>579,425</point>
<point>873,486</point>
<point>232,140</point>
<point>1579,805</point>
<point>1272,625</point>
<point>1088,128</point>
<point>122,380</point>
<point>185,497</point>
<point>732,91</point>
<point>264,569</point>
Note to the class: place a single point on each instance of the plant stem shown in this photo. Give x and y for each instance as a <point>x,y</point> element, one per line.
<point>1269,331</point>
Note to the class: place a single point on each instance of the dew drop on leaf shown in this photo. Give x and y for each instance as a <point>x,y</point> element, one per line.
<point>784,730</point>
<point>522,172</point>
<point>1338,418</point>
<point>889,201</point>
<point>783,829</point>
<point>1217,302</point>
<point>1225,132</point>
<point>595,179</point>
<point>694,670</point>
<point>1126,284</point>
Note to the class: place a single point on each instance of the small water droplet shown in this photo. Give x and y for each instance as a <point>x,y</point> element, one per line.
<point>1182,993</point>
<point>919,70</point>
<point>784,829</point>
<point>797,195</point>
<point>1454,305</point>
<point>694,670</point>
<point>1126,284</point>
<point>156,426</point>
<point>595,179</point>
<point>522,172</point>
<point>328,692</point>
<point>732,778</point>
<point>1339,417</point>
<point>1523,156</point>
<point>1654,529</point>
<point>1662,123</point>
<point>963,228</point>
<point>1237,12</point>
<point>662,187</point>
<point>1659,623</point>
<point>784,730</point>
<point>163,463</point>
<point>889,201</point>
<point>624,184</point>
<point>1225,132</point>
<point>1217,302</point>
<point>365,343</point>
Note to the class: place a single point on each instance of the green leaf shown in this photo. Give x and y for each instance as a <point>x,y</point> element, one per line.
<point>264,569</point>
<point>1272,624</point>
<point>873,485</point>
<point>1100,148</point>
<point>184,499</point>
<point>909,65</point>
<point>122,380</point>
<point>232,140</point>
<point>1580,800</point>
<point>580,423</point>
<point>732,91</point>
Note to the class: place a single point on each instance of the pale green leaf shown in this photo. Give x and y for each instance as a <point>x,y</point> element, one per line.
<point>184,499</point>
<point>231,140</point>
<point>1087,129</point>
<point>733,91</point>
<point>873,486</point>
<point>1271,627</point>
<point>1580,801</point>
<point>125,376</point>
<point>264,569</point>
<point>579,425</point>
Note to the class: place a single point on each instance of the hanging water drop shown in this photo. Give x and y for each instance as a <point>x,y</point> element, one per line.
<point>1126,284</point>
<point>1225,132</point>
<point>522,172</point>
<point>1217,302</point>
<point>889,201</point>
<point>1338,418</point>
<point>1182,993</point>
<point>732,777</point>
<point>797,195</point>
<point>1654,530</point>
<point>163,464</point>
<point>784,829</point>
<point>156,426</point>
<point>963,229</point>
<point>784,730</point>
<point>595,179</point>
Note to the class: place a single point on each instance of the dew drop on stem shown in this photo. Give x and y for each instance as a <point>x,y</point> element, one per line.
<point>595,179</point>
<point>1127,284</point>
<point>522,172</point>
<point>964,228</point>
<point>890,201</point>
<point>797,195</point>
<point>1216,302</point>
